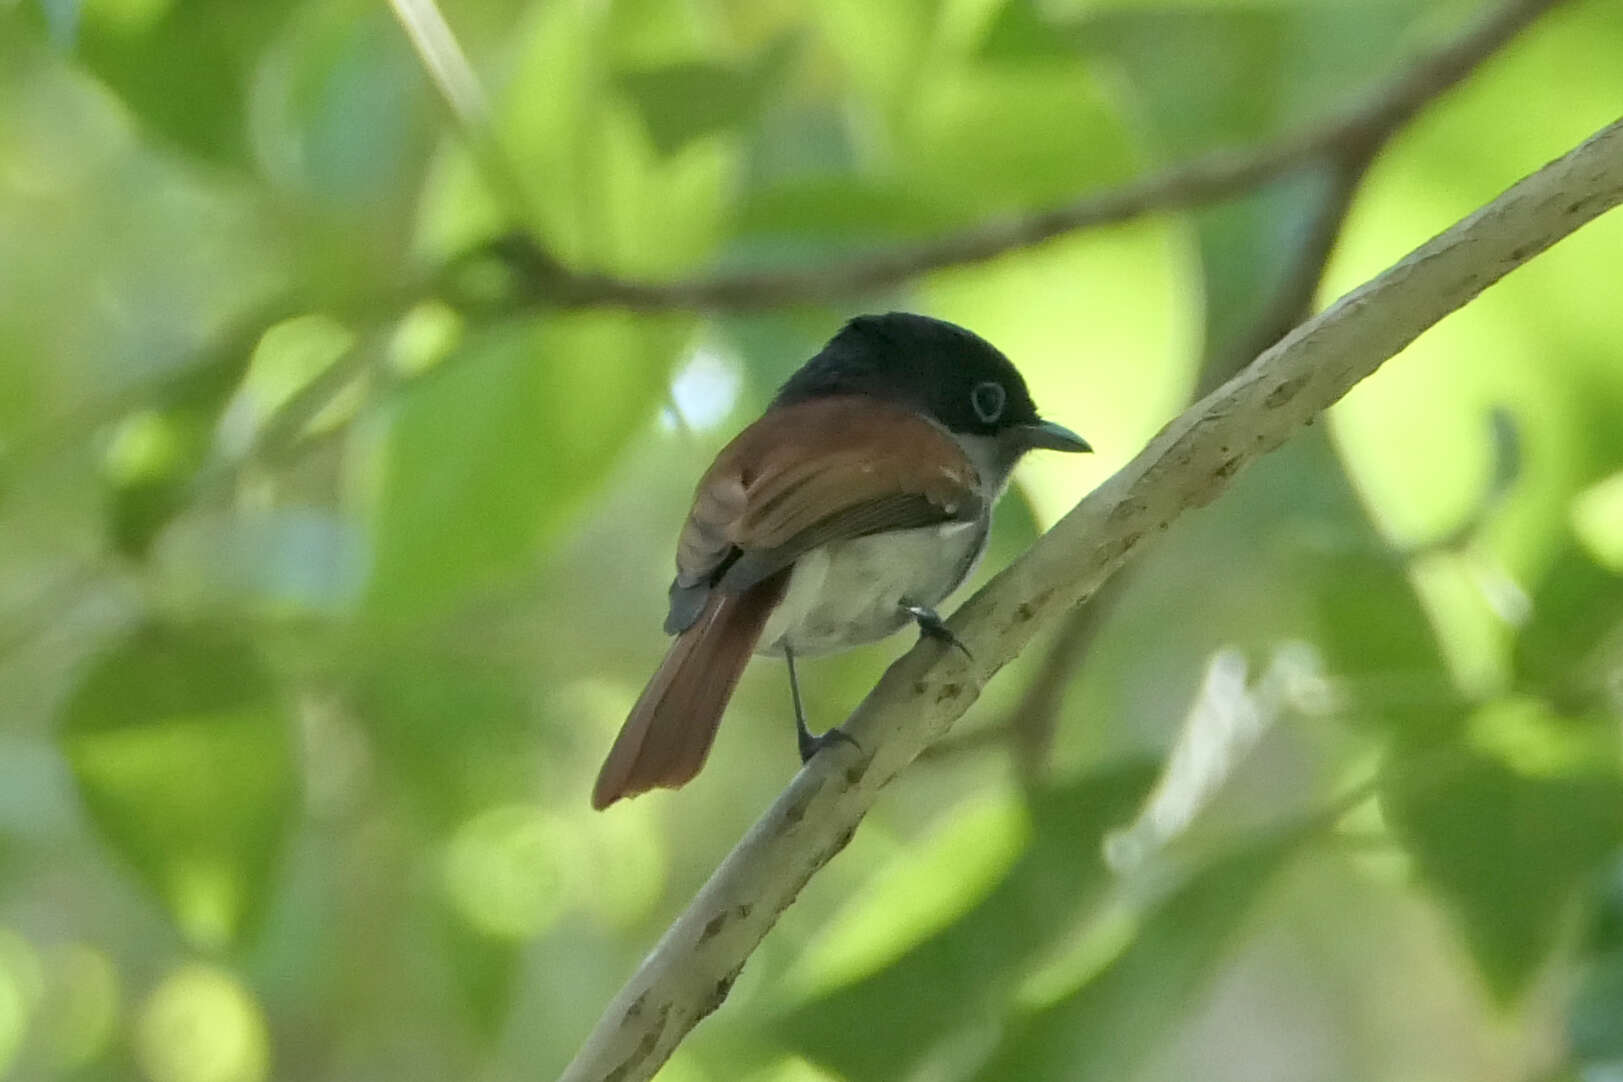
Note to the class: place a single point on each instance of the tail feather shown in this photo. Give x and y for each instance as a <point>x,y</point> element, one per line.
<point>667,737</point>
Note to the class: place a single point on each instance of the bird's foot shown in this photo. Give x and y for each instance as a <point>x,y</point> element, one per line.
<point>810,745</point>
<point>932,626</point>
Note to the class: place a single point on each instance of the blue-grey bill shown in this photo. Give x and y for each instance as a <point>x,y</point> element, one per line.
<point>1052,437</point>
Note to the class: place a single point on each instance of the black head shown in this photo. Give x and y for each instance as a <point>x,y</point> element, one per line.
<point>946,372</point>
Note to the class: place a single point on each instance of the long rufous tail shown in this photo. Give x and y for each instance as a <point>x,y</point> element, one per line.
<point>666,738</point>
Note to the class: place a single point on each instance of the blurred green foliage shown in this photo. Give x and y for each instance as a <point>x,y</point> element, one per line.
<point>320,596</point>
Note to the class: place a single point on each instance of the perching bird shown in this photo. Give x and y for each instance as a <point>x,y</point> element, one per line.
<point>859,500</point>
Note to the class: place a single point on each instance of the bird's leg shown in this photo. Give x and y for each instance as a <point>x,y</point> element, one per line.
<point>932,626</point>
<point>810,745</point>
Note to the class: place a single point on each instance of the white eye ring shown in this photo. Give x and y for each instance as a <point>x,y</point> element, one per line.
<point>987,400</point>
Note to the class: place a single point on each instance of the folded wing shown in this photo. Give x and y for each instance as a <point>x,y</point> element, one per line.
<point>808,474</point>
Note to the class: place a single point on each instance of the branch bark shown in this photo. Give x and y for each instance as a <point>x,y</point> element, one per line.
<point>1190,462</point>
<point>1351,134</point>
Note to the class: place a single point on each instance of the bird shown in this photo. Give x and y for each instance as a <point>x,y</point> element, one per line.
<point>857,502</point>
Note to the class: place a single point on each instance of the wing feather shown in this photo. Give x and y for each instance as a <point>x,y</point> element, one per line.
<point>808,474</point>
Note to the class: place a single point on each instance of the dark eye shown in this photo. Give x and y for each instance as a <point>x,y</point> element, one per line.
<point>988,399</point>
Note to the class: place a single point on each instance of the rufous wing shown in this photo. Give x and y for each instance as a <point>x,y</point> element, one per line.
<point>811,473</point>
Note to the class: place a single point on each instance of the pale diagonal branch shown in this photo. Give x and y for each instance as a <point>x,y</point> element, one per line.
<point>1191,461</point>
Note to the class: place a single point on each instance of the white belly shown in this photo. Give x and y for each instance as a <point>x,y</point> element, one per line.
<point>850,592</point>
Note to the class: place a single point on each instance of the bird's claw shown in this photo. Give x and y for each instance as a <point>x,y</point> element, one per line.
<point>810,745</point>
<point>932,626</point>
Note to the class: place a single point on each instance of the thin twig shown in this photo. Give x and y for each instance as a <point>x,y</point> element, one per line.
<point>448,68</point>
<point>1351,133</point>
<point>1505,441</point>
<point>1032,726</point>
<point>284,434</point>
<point>996,737</point>
<point>230,348</point>
<point>1028,730</point>
<point>1292,302</point>
<point>546,281</point>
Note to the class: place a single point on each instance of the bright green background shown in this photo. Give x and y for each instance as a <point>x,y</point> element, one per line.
<point>318,608</point>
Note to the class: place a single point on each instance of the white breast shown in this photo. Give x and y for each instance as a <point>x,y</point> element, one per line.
<point>850,592</point>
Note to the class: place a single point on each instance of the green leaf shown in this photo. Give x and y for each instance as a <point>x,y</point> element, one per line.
<point>1020,35</point>
<point>1221,76</point>
<point>1110,1025</point>
<point>1561,651</point>
<point>183,66</point>
<point>155,453</point>
<point>344,123</point>
<point>344,108</point>
<point>1286,555</point>
<point>282,564</point>
<point>484,973</point>
<point>1209,79</point>
<point>450,739</point>
<point>945,137</point>
<point>880,47</point>
<point>687,101</point>
<point>839,210</point>
<point>154,457</point>
<point>1597,1005</point>
<point>963,973</point>
<point>1506,852</point>
<point>600,194</point>
<point>1250,249</point>
<point>980,138</point>
<point>182,750</point>
<point>1596,1036</point>
<point>482,458</point>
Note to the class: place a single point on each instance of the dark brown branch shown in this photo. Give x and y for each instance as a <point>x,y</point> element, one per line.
<point>1352,134</point>
<point>1355,132</point>
<point>1032,726</point>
